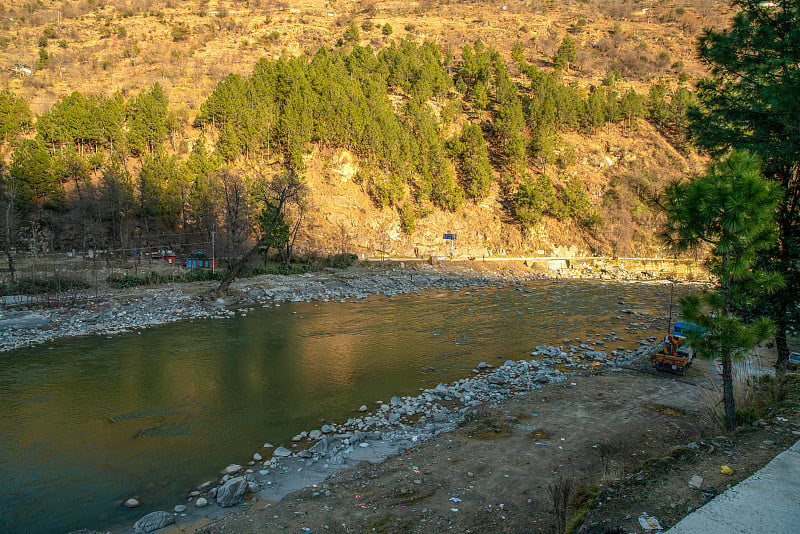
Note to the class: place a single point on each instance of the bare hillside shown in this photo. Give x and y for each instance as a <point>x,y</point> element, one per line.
<point>48,49</point>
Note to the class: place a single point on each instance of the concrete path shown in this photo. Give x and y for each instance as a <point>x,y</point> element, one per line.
<point>768,501</point>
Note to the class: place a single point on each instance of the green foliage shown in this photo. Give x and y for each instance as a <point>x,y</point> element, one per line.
<point>476,170</point>
<point>341,261</point>
<point>479,95</point>
<point>408,219</point>
<point>749,101</point>
<point>387,29</point>
<point>15,116</point>
<point>44,58</point>
<point>32,171</point>
<point>42,286</point>
<point>657,106</point>
<point>632,106</point>
<point>566,53</point>
<point>731,208</point>
<point>122,281</point>
<point>80,122</point>
<point>351,33</point>
<point>180,32</point>
<point>147,120</point>
<point>385,190</point>
<point>533,199</point>
<point>573,202</point>
<point>280,233</point>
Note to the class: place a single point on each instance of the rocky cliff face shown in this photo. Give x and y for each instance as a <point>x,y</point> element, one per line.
<point>619,169</point>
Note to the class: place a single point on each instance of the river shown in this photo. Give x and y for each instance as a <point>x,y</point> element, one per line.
<point>89,422</point>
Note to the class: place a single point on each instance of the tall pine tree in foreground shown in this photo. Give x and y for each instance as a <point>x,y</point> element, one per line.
<point>731,208</point>
<point>750,101</point>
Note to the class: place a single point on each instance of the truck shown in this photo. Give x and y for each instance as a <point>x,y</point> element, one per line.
<point>674,354</point>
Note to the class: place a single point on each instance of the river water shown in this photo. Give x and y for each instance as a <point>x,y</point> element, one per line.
<point>86,423</point>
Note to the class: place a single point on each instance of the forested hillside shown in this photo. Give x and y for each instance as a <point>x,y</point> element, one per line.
<point>519,139</point>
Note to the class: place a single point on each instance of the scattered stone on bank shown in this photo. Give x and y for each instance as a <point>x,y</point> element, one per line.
<point>201,502</point>
<point>232,492</point>
<point>231,469</point>
<point>131,503</point>
<point>282,452</point>
<point>153,521</point>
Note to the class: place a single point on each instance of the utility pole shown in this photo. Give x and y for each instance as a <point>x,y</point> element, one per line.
<point>213,260</point>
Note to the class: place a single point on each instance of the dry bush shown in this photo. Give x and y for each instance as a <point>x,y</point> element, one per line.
<point>690,24</point>
<point>632,65</point>
<point>615,9</point>
<point>747,392</point>
<point>585,62</point>
<point>561,492</point>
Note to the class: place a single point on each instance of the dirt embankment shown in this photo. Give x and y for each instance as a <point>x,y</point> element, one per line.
<point>628,441</point>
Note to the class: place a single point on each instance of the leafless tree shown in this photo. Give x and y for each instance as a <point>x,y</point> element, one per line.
<point>283,189</point>
<point>9,222</point>
<point>561,492</point>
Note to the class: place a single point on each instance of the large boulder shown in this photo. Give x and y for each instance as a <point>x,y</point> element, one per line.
<point>153,521</point>
<point>232,492</point>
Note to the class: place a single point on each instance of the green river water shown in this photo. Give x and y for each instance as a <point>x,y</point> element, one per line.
<point>88,422</point>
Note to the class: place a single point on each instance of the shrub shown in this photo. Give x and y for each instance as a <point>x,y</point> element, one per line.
<point>408,219</point>
<point>351,34</point>
<point>387,29</point>
<point>180,32</point>
<point>41,286</point>
<point>341,261</point>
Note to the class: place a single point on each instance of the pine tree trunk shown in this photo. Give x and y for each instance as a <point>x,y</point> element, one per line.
<point>782,362</point>
<point>727,392</point>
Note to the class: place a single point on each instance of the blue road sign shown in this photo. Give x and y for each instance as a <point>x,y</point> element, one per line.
<point>451,237</point>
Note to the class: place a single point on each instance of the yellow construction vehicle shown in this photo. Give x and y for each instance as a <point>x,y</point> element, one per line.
<point>673,355</point>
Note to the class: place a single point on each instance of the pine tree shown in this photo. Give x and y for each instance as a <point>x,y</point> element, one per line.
<point>567,53</point>
<point>750,101</point>
<point>15,116</point>
<point>732,209</point>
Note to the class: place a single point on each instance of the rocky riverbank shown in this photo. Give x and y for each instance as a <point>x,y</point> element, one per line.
<point>112,312</point>
<point>390,429</point>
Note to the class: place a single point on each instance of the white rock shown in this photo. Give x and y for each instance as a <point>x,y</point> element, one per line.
<point>232,468</point>
<point>180,508</point>
<point>132,503</point>
<point>257,457</point>
<point>282,451</point>
<point>362,408</point>
<point>201,502</point>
